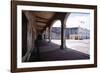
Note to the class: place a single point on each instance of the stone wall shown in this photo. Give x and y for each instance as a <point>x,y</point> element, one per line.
<point>31,34</point>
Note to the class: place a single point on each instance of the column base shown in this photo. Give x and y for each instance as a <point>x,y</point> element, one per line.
<point>63,47</point>
<point>49,41</point>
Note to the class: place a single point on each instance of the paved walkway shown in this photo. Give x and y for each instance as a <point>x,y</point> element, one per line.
<point>79,45</point>
<point>52,52</point>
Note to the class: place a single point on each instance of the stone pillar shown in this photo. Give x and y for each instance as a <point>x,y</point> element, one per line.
<point>63,39</point>
<point>63,19</point>
<point>49,34</point>
<point>44,35</point>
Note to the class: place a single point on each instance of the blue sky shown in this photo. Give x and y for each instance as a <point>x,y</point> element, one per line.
<point>76,20</point>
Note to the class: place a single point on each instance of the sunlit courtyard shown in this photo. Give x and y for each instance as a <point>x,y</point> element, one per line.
<point>78,45</point>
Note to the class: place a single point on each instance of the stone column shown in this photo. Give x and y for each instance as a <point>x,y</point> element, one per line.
<point>63,39</point>
<point>63,18</point>
<point>49,34</point>
<point>44,35</point>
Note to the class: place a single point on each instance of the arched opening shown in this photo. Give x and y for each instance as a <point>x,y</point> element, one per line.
<point>78,24</point>
<point>56,32</point>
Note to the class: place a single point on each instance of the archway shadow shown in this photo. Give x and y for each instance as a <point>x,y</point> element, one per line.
<point>52,52</point>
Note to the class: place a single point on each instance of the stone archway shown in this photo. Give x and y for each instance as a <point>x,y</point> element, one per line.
<point>33,30</point>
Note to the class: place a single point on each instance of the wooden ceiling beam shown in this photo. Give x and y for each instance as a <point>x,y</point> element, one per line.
<point>41,21</point>
<point>38,17</point>
<point>39,28</point>
<point>40,24</point>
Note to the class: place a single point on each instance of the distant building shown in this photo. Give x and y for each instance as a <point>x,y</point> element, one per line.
<point>56,33</point>
<point>76,33</point>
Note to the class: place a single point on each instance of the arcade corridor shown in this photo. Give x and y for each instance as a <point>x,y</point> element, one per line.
<point>52,52</point>
<point>34,45</point>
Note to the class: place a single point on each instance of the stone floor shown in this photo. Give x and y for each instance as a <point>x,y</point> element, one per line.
<point>52,52</point>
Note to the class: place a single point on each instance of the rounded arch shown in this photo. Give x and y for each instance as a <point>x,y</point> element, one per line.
<point>56,23</point>
<point>56,31</point>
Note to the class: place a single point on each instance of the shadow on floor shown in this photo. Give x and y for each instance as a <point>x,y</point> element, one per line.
<point>52,52</point>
